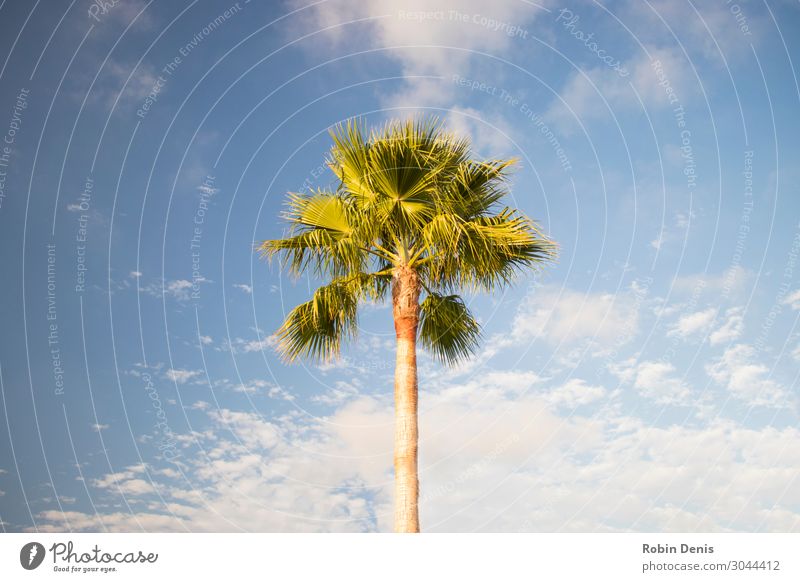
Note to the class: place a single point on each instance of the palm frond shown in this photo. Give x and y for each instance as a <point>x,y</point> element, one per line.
<point>321,236</point>
<point>447,328</point>
<point>476,187</point>
<point>316,328</point>
<point>486,252</point>
<point>349,159</point>
<point>398,174</point>
<point>409,195</point>
<point>320,209</point>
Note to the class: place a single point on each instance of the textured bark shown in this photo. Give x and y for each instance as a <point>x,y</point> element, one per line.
<point>405,309</point>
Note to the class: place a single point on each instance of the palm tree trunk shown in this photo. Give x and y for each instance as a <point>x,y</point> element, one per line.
<point>405,310</point>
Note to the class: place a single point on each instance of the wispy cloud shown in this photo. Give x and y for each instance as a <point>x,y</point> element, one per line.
<point>693,323</point>
<point>793,300</point>
<point>747,379</point>
<point>182,376</point>
<point>731,328</point>
<point>497,438</point>
<point>178,289</point>
<point>241,345</point>
<point>654,380</point>
<point>563,315</point>
<point>600,93</point>
<point>426,39</point>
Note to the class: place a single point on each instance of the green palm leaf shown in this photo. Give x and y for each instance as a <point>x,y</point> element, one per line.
<point>317,327</point>
<point>409,195</point>
<point>447,328</point>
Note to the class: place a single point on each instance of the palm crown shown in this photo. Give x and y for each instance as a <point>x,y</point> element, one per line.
<point>409,197</point>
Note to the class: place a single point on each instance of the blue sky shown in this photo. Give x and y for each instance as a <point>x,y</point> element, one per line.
<point>648,381</point>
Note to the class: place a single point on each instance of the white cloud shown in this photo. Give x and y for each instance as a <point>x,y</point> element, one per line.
<point>279,393</point>
<point>575,392</point>
<point>494,457</point>
<point>251,430</point>
<point>257,345</point>
<point>253,387</point>
<point>732,281</point>
<point>246,288</point>
<point>340,392</point>
<point>490,135</point>
<point>433,38</point>
<point>715,28</point>
<point>206,340</point>
<point>745,378</point>
<point>693,323</point>
<point>584,95</point>
<point>731,329</point>
<point>179,289</point>
<point>182,376</point>
<point>109,479</point>
<point>684,219</point>
<point>99,427</point>
<point>419,32</point>
<point>208,190</point>
<point>793,300</point>
<point>131,482</point>
<point>562,315</point>
<point>654,380</point>
<point>262,477</point>
<point>138,83</point>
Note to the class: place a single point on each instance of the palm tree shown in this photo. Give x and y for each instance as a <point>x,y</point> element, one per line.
<point>415,214</point>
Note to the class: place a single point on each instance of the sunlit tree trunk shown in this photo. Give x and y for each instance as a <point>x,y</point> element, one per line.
<point>405,309</point>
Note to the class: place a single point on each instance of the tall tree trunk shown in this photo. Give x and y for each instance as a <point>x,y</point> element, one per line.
<point>405,309</point>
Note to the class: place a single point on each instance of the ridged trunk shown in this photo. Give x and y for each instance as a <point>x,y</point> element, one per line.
<point>405,310</point>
